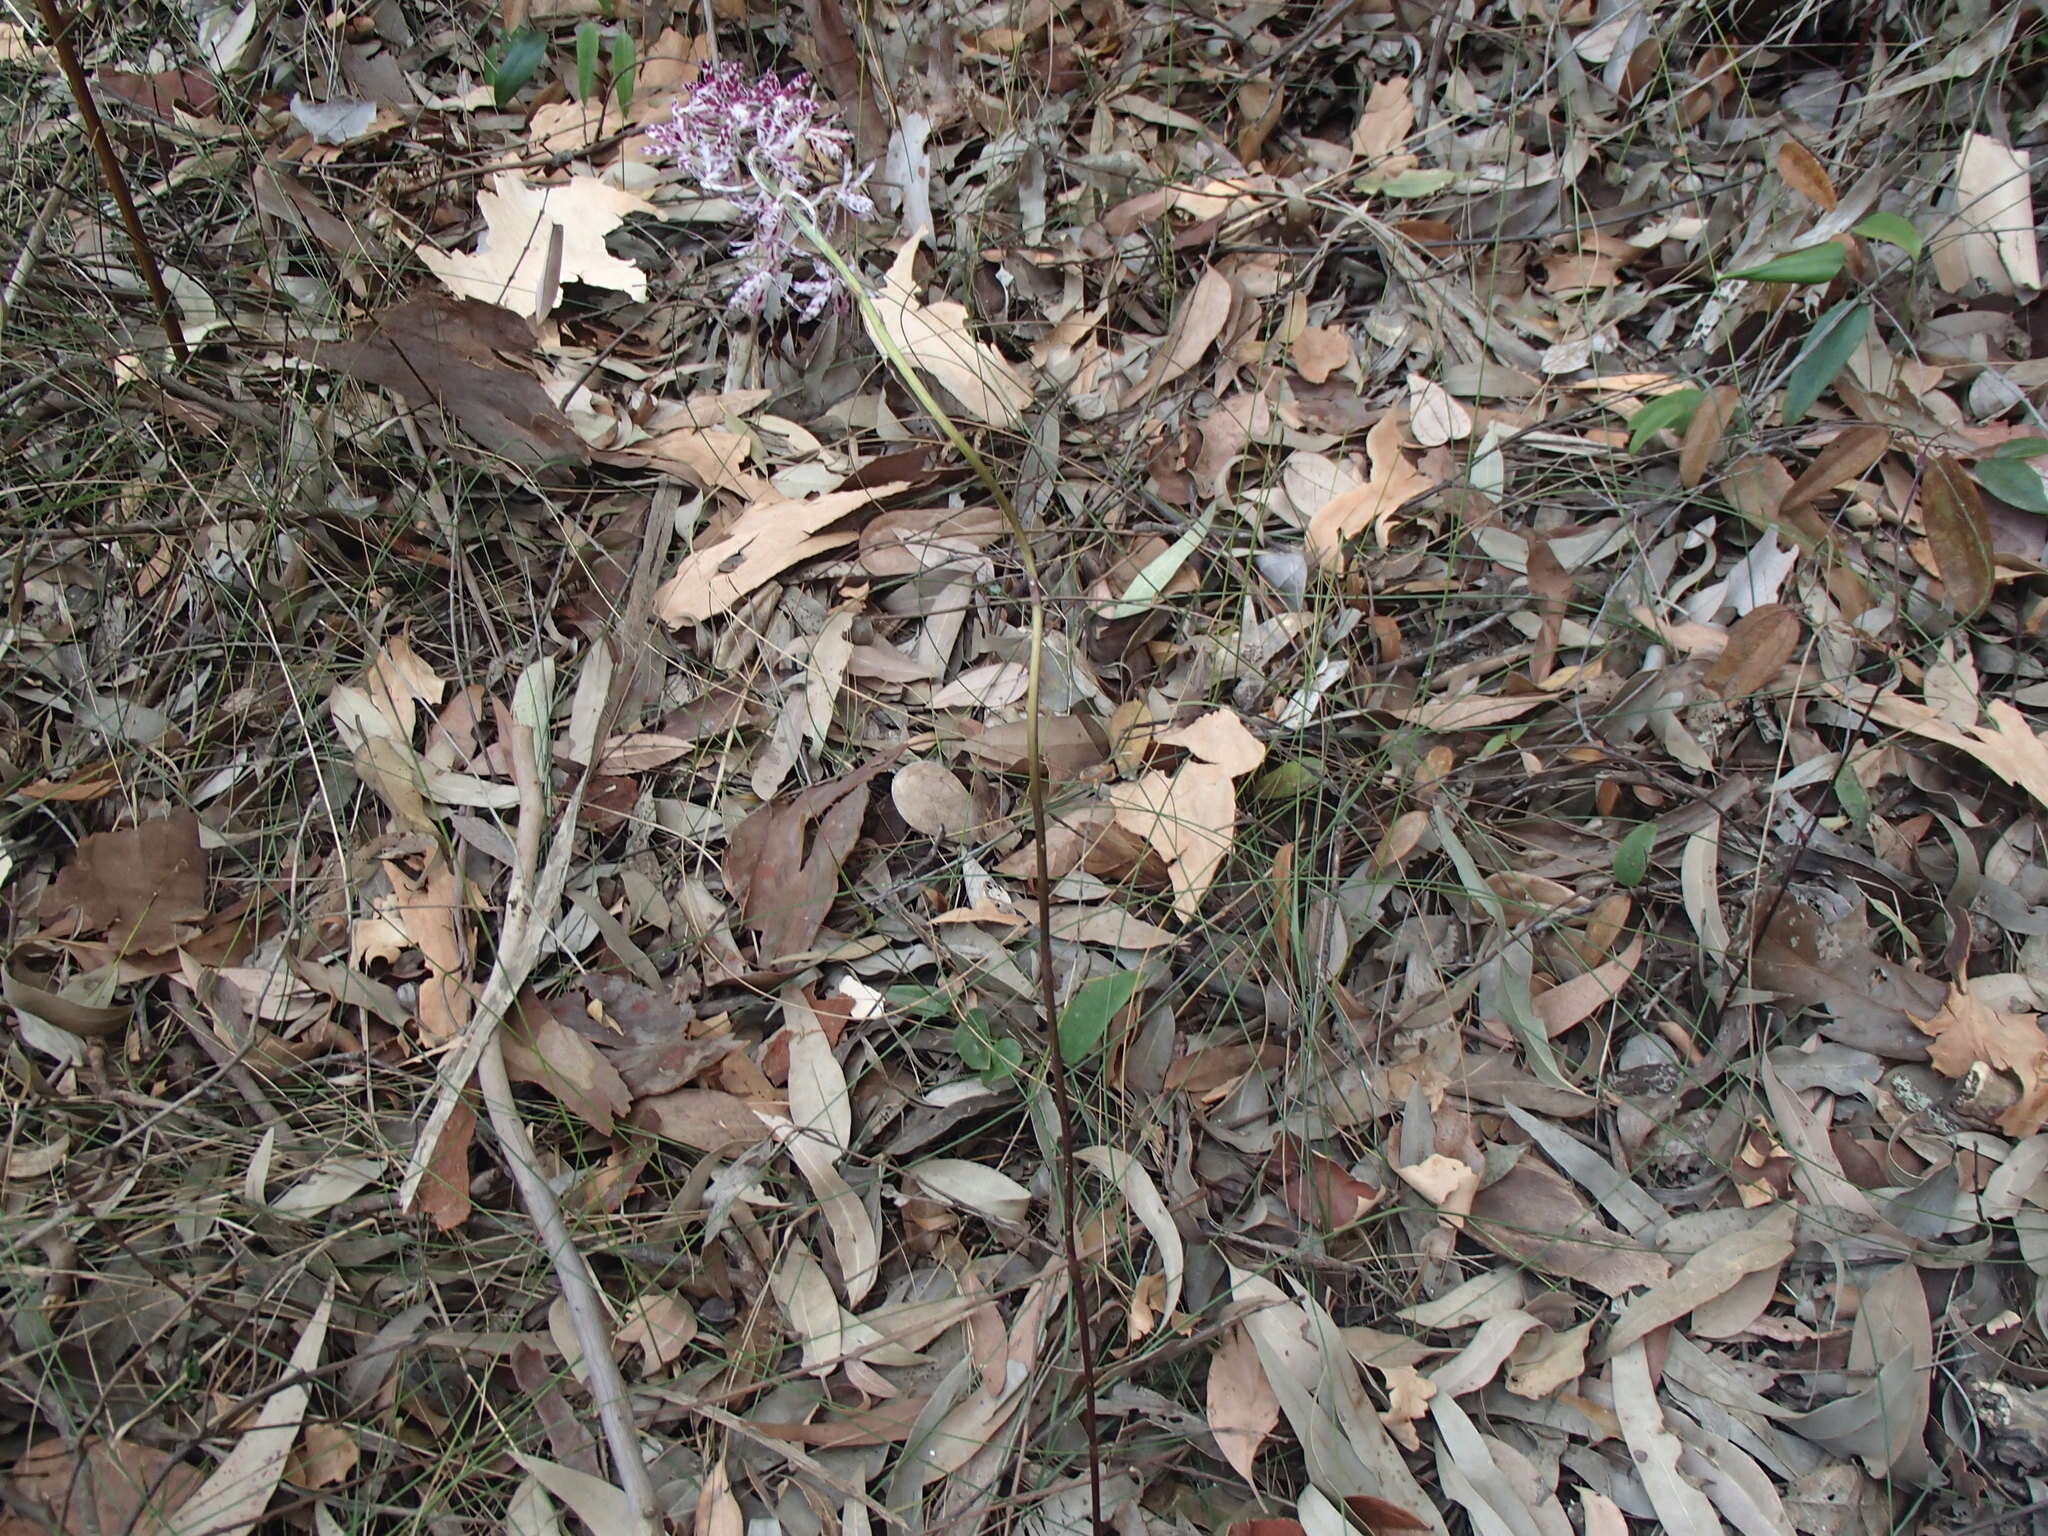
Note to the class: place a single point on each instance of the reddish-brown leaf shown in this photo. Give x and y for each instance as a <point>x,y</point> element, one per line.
<point>1759,644</point>
<point>1841,461</point>
<point>1806,175</point>
<point>1318,1189</point>
<point>143,886</point>
<point>1958,534</point>
<point>1706,432</point>
<point>444,1192</point>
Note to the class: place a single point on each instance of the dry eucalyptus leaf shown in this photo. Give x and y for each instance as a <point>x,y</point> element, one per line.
<point>523,224</point>
<point>762,543</point>
<point>143,886</point>
<point>937,341</point>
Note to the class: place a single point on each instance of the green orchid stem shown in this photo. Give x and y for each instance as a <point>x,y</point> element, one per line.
<point>1063,1104</point>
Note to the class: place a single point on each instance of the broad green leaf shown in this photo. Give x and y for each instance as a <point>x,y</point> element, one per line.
<point>1414,182</point>
<point>1852,796</point>
<point>2019,448</point>
<point>1086,1018</point>
<point>1815,264</point>
<point>1892,230</point>
<point>2014,480</point>
<point>1632,855</point>
<point>1834,337</point>
<point>586,60</point>
<point>518,59</point>
<point>920,1002</point>
<point>625,68</point>
<point>1288,779</point>
<point>970,1046</point>
<point>1673,410</point>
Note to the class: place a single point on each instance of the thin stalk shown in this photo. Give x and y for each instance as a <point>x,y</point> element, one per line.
<point>59,28</point>
<point>1034,789</point>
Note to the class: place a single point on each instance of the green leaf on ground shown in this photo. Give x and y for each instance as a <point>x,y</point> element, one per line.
<point>1086,1018</point>
<point>1814,264</point>
<point>1892,229</point>
<point>1673,410</point>
<point>1834,337</point>
<point>1632,855</point>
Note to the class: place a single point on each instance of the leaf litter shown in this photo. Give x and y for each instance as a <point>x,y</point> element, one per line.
<point>1516,535</point>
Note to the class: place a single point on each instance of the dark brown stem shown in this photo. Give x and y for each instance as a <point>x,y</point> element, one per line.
<point>1062,1098</point>
<point>110,166</point>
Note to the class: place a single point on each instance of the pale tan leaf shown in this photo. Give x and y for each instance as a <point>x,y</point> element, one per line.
<point>660,1325</point>
<point>1990,237</point>
<point>1111,926</point>
<point>1487,1294</point>
<point>1600,1515</point>
<point>521,222</point>
<point>804,1293</point>
<point>231,1501</point>
<point>710,458</point>
<point>1394,481</point>
<point>819,1105</point>
<point>2007,746</point>
<point>595,1502</point>
<point>1190,819</point>
<point>1571,1003</point>
<point>854,1240</point>
<point>1968,1032</point>
<point>931,799</point>
<point>399,680</point>
<point>718,1512</point>
<point>1241,1404</point>
<point>1389,115</point>
<point>327,1186</point>
<point>1699,869</point>
<point>1408,1396</point>
<point>1472,711</point>
<point>1480,1360</point>
<point>1318,352</point>
<point>825,672</point>
<point>1434,418</point>
<point>1547,1360</point>
<point>937,341</point>
<point>1707,1274</point>
<point>1218,737</point>
<point>1195,329</point>
<point>970,1185</point>
<point>1469,1473</point>
<point>1680,1504</point>
<point>764,541</point>
<point>1142,1195</point>
<point>1446,1182</point>
<point>531,1512</point>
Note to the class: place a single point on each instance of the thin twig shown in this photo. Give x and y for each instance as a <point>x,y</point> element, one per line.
<point>110,167</point>
<point>32,243</point>
<point>531,902</point>
<point>579,1291</point>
